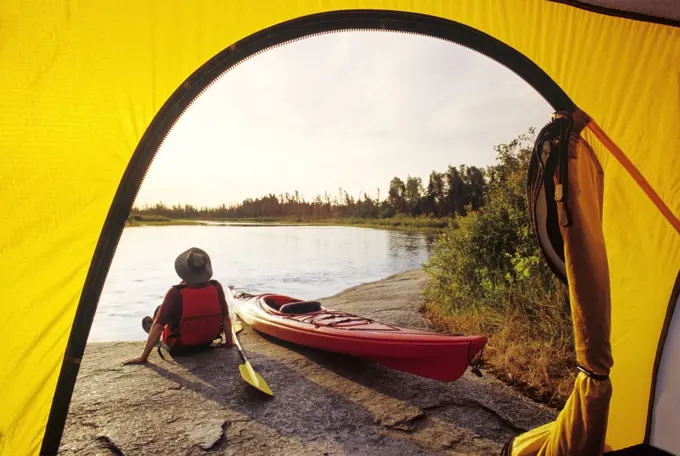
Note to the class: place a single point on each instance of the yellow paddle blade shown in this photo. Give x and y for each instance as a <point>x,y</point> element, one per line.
<point>253,378</point>
<point>237,327</point>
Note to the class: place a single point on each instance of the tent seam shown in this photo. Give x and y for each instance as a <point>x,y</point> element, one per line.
<point>635,174</point>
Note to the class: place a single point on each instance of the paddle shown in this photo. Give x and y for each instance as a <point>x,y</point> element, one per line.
<point>248,373</point>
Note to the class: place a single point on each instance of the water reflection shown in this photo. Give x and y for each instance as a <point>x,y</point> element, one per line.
<point>401,243</point>
<point>303,261</point>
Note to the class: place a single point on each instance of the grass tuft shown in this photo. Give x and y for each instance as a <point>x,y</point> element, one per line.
<point>534,354</point>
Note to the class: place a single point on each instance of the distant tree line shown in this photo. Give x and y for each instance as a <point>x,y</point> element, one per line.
<point>447,194</point>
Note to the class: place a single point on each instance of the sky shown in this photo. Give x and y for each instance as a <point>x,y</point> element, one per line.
<point>350,110</point>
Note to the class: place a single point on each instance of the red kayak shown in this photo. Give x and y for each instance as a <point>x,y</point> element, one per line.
<point>424,353</point>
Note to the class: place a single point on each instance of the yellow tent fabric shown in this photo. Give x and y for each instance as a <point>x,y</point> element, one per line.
<point>81,82</point>
<point>640,275</point>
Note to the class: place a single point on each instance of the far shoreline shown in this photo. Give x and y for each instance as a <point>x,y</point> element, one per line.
<point>414,224</point>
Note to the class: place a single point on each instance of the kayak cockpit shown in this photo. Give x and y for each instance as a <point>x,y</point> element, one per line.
<point>275,302</point>
<point>290,306</point>
<point>302,307</point>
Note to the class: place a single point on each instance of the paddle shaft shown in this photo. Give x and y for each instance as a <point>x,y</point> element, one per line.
<point>238,344</point>
<point>233,335</point>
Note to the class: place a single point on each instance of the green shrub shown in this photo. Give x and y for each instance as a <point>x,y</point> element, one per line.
<point>488,273</point>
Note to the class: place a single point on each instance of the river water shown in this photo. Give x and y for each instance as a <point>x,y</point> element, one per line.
<point>306,262</point>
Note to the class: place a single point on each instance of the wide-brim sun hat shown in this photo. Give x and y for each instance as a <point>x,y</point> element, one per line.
<point>193,266</point>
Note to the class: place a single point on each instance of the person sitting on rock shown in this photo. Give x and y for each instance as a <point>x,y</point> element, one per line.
<point>193,314</point>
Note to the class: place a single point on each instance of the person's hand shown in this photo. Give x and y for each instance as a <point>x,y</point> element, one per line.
<point>136,360</point>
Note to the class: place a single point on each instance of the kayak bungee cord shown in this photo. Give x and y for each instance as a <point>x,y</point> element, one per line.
<point>315,317</point>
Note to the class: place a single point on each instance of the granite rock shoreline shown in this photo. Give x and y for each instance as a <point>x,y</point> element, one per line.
<point>323,404</point>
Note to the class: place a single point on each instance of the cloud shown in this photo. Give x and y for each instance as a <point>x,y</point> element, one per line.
<point>349,109</point>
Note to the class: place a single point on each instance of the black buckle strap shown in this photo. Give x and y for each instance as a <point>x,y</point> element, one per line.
<point>591,374</point>
<point>566,123</point>
<point>160,353</point>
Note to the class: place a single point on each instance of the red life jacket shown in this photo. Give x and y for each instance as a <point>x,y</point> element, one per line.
<point>201,319</point>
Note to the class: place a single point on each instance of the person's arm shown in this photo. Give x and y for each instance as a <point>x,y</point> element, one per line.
<point>228,339</point>
<point>226,322</point>
<point>162,318</point>
<point>154,335</point>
